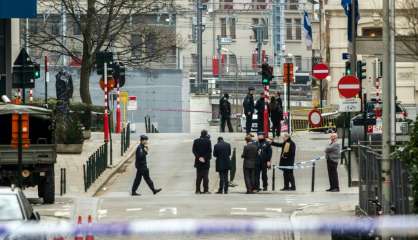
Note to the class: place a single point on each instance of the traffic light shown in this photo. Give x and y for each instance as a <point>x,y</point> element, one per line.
<point>101,58</point>
<point>288,75</point>
<point>119,73</point>
<point>36,71</point>
<point>361,70</point>
<point>266,74</point>
<point>347,68</point>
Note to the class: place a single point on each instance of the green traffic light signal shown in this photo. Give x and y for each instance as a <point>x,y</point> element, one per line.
<point>348,68</point>
<point>361,70</point>
<point>36,71</point>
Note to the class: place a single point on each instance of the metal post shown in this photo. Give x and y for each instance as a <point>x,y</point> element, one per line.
<point>199,76</point>
<point>353,53</point>
<point>260,34</point>
<point>288,106</point>
<point>273,184</point>
<point>365,125</point>
<point>61,180</point>
<point>122,142</point>
<point>85,178</point>
<point>46,81</point>
<point>321,95</point>
<point>392,73</point>
<point>386,99</point>
<point>19,149</point>
<point>313,177</point>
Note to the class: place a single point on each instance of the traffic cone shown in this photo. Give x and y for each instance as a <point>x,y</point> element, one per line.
<point>59,238</point>
<point>79,235</point>
<point>89,234</point>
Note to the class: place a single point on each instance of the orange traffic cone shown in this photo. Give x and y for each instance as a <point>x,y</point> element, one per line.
<point>89,234</point>
<point>79,236</point>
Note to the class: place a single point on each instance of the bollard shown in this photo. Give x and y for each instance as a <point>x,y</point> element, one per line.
<point>122,142</point>
<point>78,234</point>
<point>85,178</point>
<point>349,168</point>
<point>273,185</point>
<point>89,235</point>
<point>63,182</point>
<point>128,136</point>
<point>313,177</point>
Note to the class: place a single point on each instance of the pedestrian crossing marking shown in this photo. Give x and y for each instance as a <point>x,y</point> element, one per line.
<point>279,210</point>
<point>133,209</point>
<point>172,210</point>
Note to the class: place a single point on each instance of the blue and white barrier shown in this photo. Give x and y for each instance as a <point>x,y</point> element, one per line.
<point>382,226</point>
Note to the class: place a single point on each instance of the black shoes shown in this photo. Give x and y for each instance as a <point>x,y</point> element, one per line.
<point>288,189</point>
<point>157,191</point>
<point>219,192</point>
<point>135,194</point>
<point>198,192</point>
<point>333,190</point>
<point>206,192</point>
<point>264,189</point>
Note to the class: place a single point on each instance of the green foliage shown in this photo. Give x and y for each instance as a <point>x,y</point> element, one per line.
<point>409,154</point>
<point>68,131</point>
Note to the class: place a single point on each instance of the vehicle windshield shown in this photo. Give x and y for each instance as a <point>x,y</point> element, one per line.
<point>10,208</point>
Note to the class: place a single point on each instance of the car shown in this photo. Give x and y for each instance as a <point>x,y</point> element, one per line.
<point>15,207</point>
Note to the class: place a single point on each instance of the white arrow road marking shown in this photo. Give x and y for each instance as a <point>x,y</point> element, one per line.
<point>349,86</point>
<point>172,210</point>
<point>133,209</point>
<point>279,210</point>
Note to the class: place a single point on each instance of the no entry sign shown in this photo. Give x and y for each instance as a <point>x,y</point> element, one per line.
<point>349,86</point>
<point>320,71</point>
<point>315,118</point>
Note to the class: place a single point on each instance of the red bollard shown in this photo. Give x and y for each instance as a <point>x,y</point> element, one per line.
<point>89,234</point>
<point>79,236</point>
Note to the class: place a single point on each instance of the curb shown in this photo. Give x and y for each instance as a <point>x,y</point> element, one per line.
<point>104,179</point>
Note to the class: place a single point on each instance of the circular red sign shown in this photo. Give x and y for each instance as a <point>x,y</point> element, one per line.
<point>315,118</point>
<point>349,86</point>
<point>320,71</point>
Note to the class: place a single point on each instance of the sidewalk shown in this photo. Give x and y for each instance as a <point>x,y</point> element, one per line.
<point>73,163</point>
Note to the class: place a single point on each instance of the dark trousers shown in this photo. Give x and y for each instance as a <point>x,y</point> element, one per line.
<point>260,123</point>
<point>227,120</point>
<point>333,174</point>
<point>277,127</point>
<point>139,174</point>
<point>248,123</point>
<point>289,179</point>
<point>249,177</point>
<point>223,181</point>
<point>202,175</point>
<point>261,172</point>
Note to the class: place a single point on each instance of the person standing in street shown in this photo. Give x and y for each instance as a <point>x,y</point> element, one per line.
<point>263,161</point>
<point>222,153</point>
<point>202,150</point>
<point>276,116</point>
<point>250,154</point>
<point>225,112</point>
<point>248,105</point>
<point>332,154</point>
<point>259,106</point>
<point>142,168</point>
<point>287,162</point>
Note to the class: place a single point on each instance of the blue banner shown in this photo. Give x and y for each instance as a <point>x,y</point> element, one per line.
<point>17,9</point>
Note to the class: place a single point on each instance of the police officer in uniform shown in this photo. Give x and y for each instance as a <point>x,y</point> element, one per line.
<point>263,161</point>
<point>248,105</point>
<point>142,168</point>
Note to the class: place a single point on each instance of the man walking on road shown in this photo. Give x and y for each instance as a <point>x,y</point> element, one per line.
<point>263,161</point>
<point>250,154</point>
<point>222,153</point>
<point>202,150</point>
<point>332,154</point>
<point>248,105</point>
<point>287,161</point>
<point>225,112</point>
<point>276,114</point>
<point>142,168</point>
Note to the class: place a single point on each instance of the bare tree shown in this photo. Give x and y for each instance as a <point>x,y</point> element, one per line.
<point>120,26</point>
<point>407,13</point>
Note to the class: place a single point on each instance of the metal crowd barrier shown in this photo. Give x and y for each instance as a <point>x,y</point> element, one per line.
<point>63,181</point>
<point>383,226</point>
<point>95,166</point>
<point>149,126</point>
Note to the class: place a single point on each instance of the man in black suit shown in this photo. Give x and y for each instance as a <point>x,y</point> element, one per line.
<point>249,107</point>
<point>222,153</point>
<point>202,150</point>
<point>250,155</point>
<point>287,161</point>
<point>142,168</point>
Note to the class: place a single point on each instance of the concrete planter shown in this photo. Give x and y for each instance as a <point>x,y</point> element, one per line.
<point>87,134</point>
<point>70,148</point>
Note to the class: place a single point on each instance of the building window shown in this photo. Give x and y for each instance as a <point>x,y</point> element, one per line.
<point>223,27</point>
<point>76,29</point>
<point>232,28</point>
<point>136,45</point>
<point>372,32</point>
<point>298,63</point>
<point>292,5</point>
<point>150,44</point>
<point>33,26</point>
<point>298,27</point>
<point>289,35</point>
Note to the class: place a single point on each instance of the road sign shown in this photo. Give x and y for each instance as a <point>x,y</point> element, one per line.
<point>124,97</point>
<point>132,103</point>
<point>378,127</point>
<point>349,86</point>
<point>350,105</point>
<point>320,71</point>
<point>315,118</point>
<point>346,56</point>
<point>225,40</point>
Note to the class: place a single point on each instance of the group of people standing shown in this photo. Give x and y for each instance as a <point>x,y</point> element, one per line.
<point>274,109</point>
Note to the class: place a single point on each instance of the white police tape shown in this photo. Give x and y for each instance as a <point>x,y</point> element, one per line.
<point>384,226</point>
<point>300,165</point>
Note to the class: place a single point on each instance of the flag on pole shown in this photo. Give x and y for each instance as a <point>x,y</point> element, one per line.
<point>307,29</point>
<point>347,5</point>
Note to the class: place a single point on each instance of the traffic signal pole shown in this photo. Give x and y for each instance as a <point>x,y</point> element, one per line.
<point>266,110</point>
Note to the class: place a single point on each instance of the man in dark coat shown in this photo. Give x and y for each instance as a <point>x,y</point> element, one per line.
<point>222,153</point>
<point>250,154</point>
<point>225,112</point>
<point>202,150</point>
<point>142,168</point>
<point>248,105</point>
<point>276,114</point>
<point>259,106</point>
<point>287,161</point>
<point>263,161</point>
